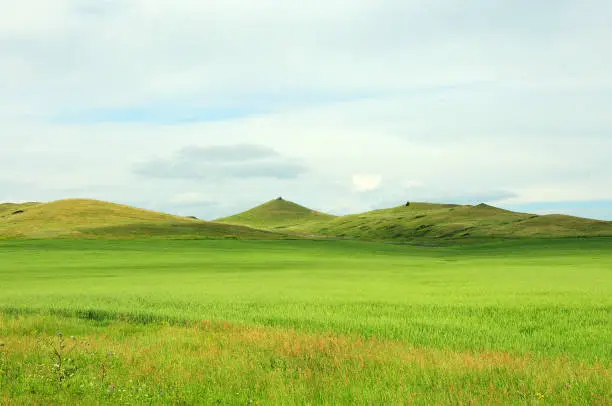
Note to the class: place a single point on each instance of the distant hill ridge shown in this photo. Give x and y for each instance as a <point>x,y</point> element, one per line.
<point>280,218</point>
<point>88,218</point>
<point>420,221</point>
<point>277,213</point>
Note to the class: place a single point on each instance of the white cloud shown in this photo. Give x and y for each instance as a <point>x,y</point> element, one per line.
<point>366,182</point>
<point>221,162</point>
<point>189,199</point>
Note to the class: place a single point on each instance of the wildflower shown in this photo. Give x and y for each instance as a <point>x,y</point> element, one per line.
<point>539,396</point>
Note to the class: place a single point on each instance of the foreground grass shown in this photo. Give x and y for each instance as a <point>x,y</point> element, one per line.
<point>283,322</point>
<point>212,363</point>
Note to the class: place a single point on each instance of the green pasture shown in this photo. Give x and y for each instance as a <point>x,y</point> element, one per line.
<point>297,322</point>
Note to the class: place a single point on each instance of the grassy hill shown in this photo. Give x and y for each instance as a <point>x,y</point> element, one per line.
<point>276,214</point>
<point>419,222</point>
<point>82,218</point>
<point>14,208</point>
<point>86,218</point>
<point>424,221</point>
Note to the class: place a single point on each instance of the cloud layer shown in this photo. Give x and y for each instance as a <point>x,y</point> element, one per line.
<point>341,105</point>
<point>218,163</point>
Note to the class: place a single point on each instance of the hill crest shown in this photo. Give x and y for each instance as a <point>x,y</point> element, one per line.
<point>95,218</point>
<point>279,218</point>
<point>417,221</point>
<point>276,213</point>
<point>430,221</point>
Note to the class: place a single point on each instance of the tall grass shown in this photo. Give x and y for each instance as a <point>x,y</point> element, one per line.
<point>281,322</point>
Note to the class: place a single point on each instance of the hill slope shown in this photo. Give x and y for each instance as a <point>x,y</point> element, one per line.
<point>419,222</point>
<point>93,218</point>
<point>424,221</point>
<point>7,209</point>
<point>279,219</point>
<point>276,214</point>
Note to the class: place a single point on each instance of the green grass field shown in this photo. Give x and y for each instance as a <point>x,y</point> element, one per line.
<point>305,322</point>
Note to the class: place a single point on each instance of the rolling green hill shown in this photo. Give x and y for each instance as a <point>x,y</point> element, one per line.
<point>7,209</point>
<point>276,214</point>
<point>422,221</point>
<point>85,218</point>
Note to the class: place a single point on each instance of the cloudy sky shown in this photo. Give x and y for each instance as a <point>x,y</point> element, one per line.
<point>205,108</point>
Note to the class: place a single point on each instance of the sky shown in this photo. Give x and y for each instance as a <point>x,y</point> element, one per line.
<point>206,108</point>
